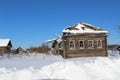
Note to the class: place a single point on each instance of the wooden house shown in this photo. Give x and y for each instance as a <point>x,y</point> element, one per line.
<point>114,48</point>
<point>5,46</point>
<point>21,50</point>
<point>81,40</point>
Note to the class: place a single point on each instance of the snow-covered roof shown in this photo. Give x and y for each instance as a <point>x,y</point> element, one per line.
<point>83,28</point>
<point>4,42</point>
<point>58,39</point>
<point>51,40</point>
<point>22,48</point>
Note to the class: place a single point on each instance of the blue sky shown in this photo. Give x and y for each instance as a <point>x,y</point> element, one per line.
<point>31,22</point>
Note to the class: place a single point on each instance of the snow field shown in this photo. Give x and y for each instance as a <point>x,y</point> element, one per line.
<point>40,67</point>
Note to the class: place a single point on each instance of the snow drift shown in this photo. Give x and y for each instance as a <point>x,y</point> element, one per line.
<point>40,67</point>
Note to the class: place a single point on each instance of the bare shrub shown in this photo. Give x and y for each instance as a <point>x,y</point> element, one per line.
<point>44,48</point>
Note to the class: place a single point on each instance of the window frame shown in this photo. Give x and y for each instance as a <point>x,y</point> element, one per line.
<point>100,44</point>
<point>83,44</point>
<point>91,47</point>
<point>73,44</point>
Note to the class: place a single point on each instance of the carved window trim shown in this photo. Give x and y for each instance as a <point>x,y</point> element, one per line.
<point>90,44</point>
<point>81,44</point>
<point>99,44</point>
<point>72,44</point>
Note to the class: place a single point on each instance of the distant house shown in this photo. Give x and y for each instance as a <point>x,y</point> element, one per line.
<point>114,48</point>
<point>21,50</point>
<point>81,40</point>
<point>5,46</point>
<point>118,48</point>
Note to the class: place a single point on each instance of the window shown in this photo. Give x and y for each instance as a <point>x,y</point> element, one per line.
<point>90,43</point>
<point>72,44</point>
<point>99,43</point>
<point>83,28</point>
<point>81,44</point>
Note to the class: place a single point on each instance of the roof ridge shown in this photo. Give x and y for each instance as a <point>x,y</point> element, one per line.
<point>91,26</point>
